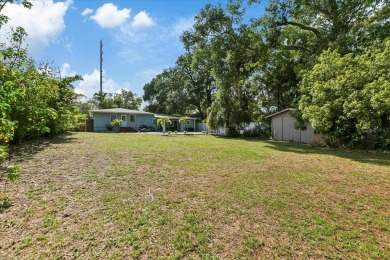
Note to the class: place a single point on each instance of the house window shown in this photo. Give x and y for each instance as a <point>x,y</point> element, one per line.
<point>112,117</point>
<point>188,122</point>
<point>123,118</point>
<point>132,118</point>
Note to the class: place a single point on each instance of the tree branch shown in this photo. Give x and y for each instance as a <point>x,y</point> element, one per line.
<point>2,5</point>
<point>302,26</point>
<point>296,48</point>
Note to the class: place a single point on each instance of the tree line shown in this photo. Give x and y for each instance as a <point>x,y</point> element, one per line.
<point>328,59</point>
<point>34,99</point>
<point>103,100</point>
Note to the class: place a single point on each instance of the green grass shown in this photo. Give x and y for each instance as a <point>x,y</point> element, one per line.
<point>118,196</point>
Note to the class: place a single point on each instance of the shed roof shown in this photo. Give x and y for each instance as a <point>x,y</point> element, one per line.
<point>120,111</point>
<point>280,112</point>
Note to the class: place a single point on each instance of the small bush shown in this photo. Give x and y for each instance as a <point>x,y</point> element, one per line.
<point>383,141</point>
<point>232,132</point>
<point>257,131</point>
<point>109,127</point>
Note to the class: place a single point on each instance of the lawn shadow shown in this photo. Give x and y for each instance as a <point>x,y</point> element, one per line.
<point>380,158</point>
<point>249,139</point>
<point>25,150</point>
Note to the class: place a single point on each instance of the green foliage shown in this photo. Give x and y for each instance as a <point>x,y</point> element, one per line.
<point>34,100</point>
<point>343,96</point>
<point>47,106</point>
<point>238,71</point>
<point>109,127</point>
<point>162,121</point>
<point>13,172</point>
<point>7,174</point>
<point>166,93</point>
<point>183,119</point>
<point>216,117</point>
<point>116,122</point>
<point>127,99</point>
<point>232,132</point>
<point>383,142</point>
<point>257,131</point>
<point>124,99</point>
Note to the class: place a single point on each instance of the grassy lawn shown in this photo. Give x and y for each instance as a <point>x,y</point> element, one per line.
<point>101,196</point>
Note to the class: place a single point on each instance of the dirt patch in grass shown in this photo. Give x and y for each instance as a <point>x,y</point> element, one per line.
<point>145,196</point>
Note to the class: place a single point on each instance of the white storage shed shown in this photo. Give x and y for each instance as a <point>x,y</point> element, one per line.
<point>282,128</point>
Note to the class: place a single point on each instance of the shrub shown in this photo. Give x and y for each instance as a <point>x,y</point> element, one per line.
<point>109,127</point>
<point>383,142</point>
<point>257,131</point>
<point>7,174</point>
<point>232,132</point>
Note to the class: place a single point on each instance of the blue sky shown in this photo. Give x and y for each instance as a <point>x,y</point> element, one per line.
<point>140,37</point>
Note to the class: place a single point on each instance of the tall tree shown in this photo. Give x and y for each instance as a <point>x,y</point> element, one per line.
<point>233,48</point>
<point>124,99</point>
<point>127,99</point>
<point>344,96</point>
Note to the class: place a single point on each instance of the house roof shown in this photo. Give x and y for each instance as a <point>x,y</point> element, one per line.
<point>280,112</point>
<point>120,111</point>
<point>174,117</point>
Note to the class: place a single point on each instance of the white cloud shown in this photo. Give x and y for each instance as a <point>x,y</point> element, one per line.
<point>142,19</point>
<point>87,11</point>
<point>133,31</point>
<point>44,22</point>
<point>91,84</point>
<point>65,71</point>
<point>183,24</point>
<point>109,16</point>
<point>69,47</point>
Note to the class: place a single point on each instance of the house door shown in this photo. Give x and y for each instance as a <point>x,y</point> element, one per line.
<point>124,120</point>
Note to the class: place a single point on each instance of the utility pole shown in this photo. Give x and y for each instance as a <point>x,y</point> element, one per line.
<point>101,66</point>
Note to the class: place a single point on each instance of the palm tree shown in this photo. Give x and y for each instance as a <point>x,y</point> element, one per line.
<point>183,119</point>
<point>162,121</point>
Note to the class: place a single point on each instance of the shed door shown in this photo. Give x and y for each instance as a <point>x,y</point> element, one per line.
<point>287,128</point>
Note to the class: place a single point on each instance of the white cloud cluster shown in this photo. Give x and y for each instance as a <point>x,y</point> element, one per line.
<point>87,11</point>
<point>91,83</point>
<point>142,19</point>
<point>109,16</point>
<point>44,22</point>
<point>65,71</point>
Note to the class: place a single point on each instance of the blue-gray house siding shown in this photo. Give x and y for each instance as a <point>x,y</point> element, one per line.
<point>131,118</point>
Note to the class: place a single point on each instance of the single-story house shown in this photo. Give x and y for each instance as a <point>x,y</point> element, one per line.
<point>188,125</point>
<point>130,118</point>
<point>282,128</point>
<point>134,119</point>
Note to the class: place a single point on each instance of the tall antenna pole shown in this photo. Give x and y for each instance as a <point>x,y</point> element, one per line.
<point>101,66</point>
